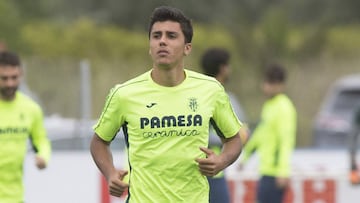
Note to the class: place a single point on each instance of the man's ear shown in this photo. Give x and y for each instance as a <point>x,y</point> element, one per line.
<point>187,49</point>
<point>223,68</point>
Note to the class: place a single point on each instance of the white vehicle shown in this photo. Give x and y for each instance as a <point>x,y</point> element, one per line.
<point>333,122</point>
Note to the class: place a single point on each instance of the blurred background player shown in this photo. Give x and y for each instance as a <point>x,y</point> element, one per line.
<point>273,138</point>
<point>215,63</point>
<point>20,119</point>
<point>354,175</point>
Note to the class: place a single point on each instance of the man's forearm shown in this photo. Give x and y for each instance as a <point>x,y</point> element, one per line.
<point>231,150</point>
<point>101,154</point>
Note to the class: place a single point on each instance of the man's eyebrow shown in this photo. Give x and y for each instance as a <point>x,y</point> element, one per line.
<point>171,32</point>
<point>156,31</point>
<point>167,32</point>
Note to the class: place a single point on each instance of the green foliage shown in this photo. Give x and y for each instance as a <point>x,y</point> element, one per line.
<point>273,39</point>
<point>271,36</point>
<point>343,41</point>
<point>10,23</point>
<point>83,39</point>
<point>30,10</point>
<point>211,36</point>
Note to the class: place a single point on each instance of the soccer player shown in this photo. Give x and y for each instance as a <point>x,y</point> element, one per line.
<point>273,138</point>
<point>165,115</point>
<point>20,119</point>
<point>215,63</point>
<point>354,175</point>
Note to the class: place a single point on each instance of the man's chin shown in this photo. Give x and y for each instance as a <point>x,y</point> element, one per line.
<point>164,65</point>
<point>8,95</point>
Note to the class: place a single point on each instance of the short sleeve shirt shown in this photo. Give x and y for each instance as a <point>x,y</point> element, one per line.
<point>164,128</point>
<point>20,120</point>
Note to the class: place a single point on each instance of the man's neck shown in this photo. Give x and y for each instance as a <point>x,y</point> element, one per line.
<point>168,77</point>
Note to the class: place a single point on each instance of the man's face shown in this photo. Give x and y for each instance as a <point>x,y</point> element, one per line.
<point>272,89</point>
<point>9,81</point>
<point>167,44</point>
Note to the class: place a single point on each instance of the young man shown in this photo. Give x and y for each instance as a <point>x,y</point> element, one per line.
<point>215,63</point>
<point>165,115</point>
<point>273,138</point>
<point>20,119</point>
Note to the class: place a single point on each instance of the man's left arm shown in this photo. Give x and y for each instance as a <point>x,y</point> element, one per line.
<point>232,148</point>
<point>230,130</point>
<point>39,140</point>
<point>213,163</point>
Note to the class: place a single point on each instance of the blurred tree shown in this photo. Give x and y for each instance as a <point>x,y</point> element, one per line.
<point>30,10</point>
<point>344,11</point>
<point>273,35</point>
<point>10,24</point>
<point>134,15</point>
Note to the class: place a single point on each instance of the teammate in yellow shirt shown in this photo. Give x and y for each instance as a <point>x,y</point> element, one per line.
<point>274,138</point>
<point>165,115</point>
<point>20,119</point>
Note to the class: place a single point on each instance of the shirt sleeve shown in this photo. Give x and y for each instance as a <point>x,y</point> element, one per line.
<point>224,120</point>
<point>110,120</point>
<point>39,139</point>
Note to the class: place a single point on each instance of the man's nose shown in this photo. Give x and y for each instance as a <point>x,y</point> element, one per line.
<point>163,41</point>
<point>11,82</point>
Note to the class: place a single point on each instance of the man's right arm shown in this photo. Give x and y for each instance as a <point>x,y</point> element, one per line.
<point>100,151</point>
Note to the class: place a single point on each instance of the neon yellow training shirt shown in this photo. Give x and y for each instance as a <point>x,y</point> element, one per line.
<point>20,119</point>
<point>274,137</point>
<point>164,128</point>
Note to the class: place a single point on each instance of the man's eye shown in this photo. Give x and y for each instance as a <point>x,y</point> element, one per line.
<point>172,36</point>
<point>156,36</point>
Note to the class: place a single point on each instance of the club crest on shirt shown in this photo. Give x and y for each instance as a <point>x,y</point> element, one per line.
<point>21,117</point>
<point>193,105</point>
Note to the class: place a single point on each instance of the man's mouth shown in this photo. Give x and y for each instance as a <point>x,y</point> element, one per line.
<point>8,92</point>
<point>163,52</point>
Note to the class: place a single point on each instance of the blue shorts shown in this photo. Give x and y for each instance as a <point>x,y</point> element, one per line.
<point>268,191</point>
<point>219,192</point>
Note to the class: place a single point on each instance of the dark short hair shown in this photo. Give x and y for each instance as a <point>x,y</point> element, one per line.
<point>165,13</point>
<point>275,73</point>
<point>9,59</point>
<point>213,59</point>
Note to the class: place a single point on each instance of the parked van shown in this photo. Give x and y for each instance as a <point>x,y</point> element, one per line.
<point>333,122</point>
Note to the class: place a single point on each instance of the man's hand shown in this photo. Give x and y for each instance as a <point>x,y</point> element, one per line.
<point>211,165</point>
<point>116,184</point>
<point>282,182</point>
<point>40,162</point>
